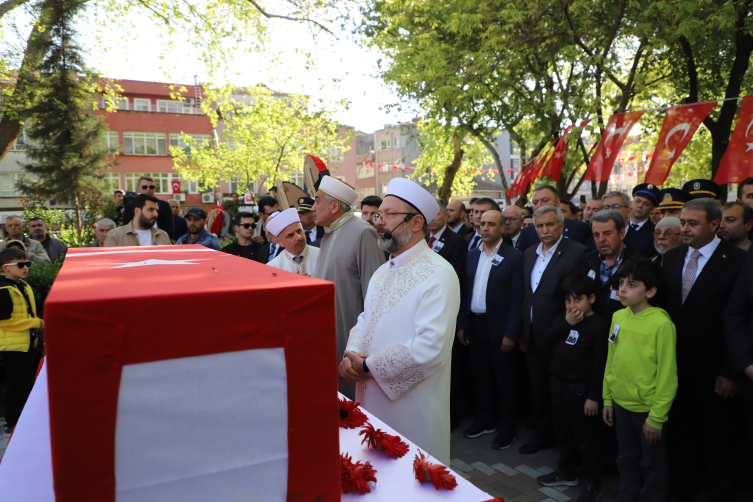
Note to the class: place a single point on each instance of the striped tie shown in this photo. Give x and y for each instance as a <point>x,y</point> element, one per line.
<point>689,277</point>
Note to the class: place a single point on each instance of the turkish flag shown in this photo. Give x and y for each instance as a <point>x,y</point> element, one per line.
<point>136,385</point>
<point>621,158</point>
<point>553,167</point>
<point>680,124</point>
<point>176,186</point>
<point>615,134</point>
<point>737,163</point>
<point>539,161</point>
<point>520,180</point>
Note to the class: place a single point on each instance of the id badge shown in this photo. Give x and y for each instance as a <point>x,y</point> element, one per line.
<point>572,338</point>
<point>592,275</point>
<point>613,336</point>
<point>497,260</point>
<point>438,245</point>
<point>614,294</point>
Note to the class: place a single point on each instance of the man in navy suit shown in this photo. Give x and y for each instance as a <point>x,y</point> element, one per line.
<point>456,218</point>
<point>480,206</point>
<point>489,324</point>
<point>513,224</point>
<point>546,195</point>
<point>644,201</point>
<point>445,242</point>
<point>641,242</point>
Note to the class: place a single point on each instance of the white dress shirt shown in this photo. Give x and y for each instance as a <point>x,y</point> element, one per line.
<point>457,229</point>
<point>706,252</point>
<point>638,226</point>
<point>478,299</point>
<point>515,240</point>
<point>542,260</point>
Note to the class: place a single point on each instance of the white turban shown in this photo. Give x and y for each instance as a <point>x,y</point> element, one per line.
<point>338,189</point>
<point>282,220</point>
<point>415,194</point>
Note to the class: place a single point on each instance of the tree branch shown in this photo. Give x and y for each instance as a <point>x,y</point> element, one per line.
<point>9,5</point>
<point>290,18</point>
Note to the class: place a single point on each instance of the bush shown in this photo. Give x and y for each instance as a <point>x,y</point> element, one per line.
<point>41,276</point>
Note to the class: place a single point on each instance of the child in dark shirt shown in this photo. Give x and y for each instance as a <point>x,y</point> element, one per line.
<point>578,342</point>
<point>18,332</point>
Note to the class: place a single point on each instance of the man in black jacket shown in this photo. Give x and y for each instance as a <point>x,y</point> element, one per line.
<point>445,242</point>
<point>641,242</point>
<point>244,246</point>
<point>699,277</point>
<point>544,268</point>
<point>546,195</point>
<point>644,201</point>
<point>164,211</point>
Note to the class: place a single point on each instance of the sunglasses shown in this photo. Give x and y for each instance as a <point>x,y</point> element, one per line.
<point>247,225</point>
<point>21,264</point>
<point>149,187</point>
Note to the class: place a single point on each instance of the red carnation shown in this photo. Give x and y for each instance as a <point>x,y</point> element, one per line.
<point>320,165</point>
<point>437,474</point>
<point>350,416</point>
<point>356,476</point>
<point>393,445</point>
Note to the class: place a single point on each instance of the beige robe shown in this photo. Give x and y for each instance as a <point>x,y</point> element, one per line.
<point>349,256</point>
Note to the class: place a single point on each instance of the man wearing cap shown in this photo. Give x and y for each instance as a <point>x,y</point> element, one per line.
<point>350,255</point>
<point>297,257</point>
<point>700,189</point>
<point>196,218</point>
<point>399,351</point>
<point>666,236</point>
<point>644,201</point>
<point>313,231</point>
<point>671,201</point>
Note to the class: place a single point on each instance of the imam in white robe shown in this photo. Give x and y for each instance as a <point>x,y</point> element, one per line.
<point>284,261</point>
<point>407,329</point>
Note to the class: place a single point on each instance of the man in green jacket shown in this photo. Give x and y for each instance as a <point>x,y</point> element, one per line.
<point>640,383</point>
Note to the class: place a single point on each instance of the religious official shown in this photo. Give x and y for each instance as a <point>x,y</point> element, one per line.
<point>350,255</point>
<point>666,237</point>
<point>399,351</point>
<point>297,257</point>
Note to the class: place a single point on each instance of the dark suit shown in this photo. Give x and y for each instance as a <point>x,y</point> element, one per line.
<point>263,255</point>
<point>491,367</point>
<point>164,217</point>
<point>319,235</point>
<point>606,305</point>
<point>469,237</point>
<point>453,249</point>
<point>701,425</point>
<point>463,230</point>
<point>738,328</point>
<point>647,228</point>
<point>574,230</point>
<point>548,302</point>
<point>640,241</point>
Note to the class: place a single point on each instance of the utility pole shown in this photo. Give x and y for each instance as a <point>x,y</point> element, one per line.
<point>376,166</point>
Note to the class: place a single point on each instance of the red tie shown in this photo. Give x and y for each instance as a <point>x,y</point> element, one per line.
<point>431,241</point>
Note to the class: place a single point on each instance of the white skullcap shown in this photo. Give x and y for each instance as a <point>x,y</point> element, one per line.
<point>415,194</point>
<point>669,221</point>
<point>338,189</point>
<point>280,221</point>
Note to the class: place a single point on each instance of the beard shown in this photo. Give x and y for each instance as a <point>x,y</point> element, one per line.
<point>400,238</point>
<point>145,222</point>
<point>659,250</point>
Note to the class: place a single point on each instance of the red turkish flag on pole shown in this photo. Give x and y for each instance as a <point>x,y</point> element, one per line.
<point>176,186</point>
<point>615,134</point>
<point>554,164</point>
<point>737,163</point>
<point>680,124</point>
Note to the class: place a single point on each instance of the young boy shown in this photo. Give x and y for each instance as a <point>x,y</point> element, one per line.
<point>18,333</point>
<point>640,383</point>
<point>579,351</point>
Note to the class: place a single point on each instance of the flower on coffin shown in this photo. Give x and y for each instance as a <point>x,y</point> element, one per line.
<point>393,445</point>
<point>350,416</point>
<point>437,474</point>
<point>355,476</point>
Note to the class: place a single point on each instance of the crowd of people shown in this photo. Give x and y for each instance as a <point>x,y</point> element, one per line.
<point>619,329</point>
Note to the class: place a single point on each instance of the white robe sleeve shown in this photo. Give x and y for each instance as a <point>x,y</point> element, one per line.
<point>400,367</point>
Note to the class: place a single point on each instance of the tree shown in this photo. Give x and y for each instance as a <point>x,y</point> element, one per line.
<point>63,131</point>
<point>262,135</point>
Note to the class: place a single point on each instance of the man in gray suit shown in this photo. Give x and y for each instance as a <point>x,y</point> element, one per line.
<point>544,268</point>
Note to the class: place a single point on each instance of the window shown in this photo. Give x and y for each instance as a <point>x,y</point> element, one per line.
<point>192,187</point>
<point>176,140</point>
<point>161,181</point>
<point>20,144</point>
<point>297,179</point>
<point>398,142</point>
<point>384,168</point>
<point>335,153</point>
<point>8,184</point>
<point>110,182</point>
<point>110,139</point>
<point>514,148</point>
<point>118,102</point>
<point>383,188</point>
<point>365,192</point>
<point>384,145</point>
<point>171,106</point>
<point>144,143</point>
<point>142,105</point>
<point>365,170</point>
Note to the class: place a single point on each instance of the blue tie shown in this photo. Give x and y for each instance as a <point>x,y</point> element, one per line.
<point>272,249</point>
<point>474,242</point>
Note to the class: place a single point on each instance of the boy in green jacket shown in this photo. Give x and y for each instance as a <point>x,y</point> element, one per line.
<point>640,383</point>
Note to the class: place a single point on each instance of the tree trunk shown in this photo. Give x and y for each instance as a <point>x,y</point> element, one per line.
<point>497,161</point>
<point>445,191</point>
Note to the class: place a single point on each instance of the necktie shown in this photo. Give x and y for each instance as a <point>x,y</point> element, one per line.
<point>431,241</point>
<point>272,249</point>
<point>474,242</point>
<point>689,277</point>
<point>634,226</point>
<point>298,260</point>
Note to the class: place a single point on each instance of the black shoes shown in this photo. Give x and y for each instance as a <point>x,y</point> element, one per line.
<point>478,430</point>
<point>503,440</point>
<point>591,493</point>
<point>556,478</point>
<point>534,445</point>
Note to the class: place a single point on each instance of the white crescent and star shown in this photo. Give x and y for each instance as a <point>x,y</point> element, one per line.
<point>150,262</point>
<point>685,127</point>
<point>750,145</point>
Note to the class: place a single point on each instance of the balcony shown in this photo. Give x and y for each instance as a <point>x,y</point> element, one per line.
<point>174,107</point>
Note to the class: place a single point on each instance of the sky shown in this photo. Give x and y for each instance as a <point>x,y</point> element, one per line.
<point>141,55</point>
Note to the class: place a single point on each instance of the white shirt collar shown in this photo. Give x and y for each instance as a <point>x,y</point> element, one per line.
<point>639,225</point>
<point>708,249</point>
<point>551,249</point>
<point>395,260</point>
<point>294,255</point>
<point>439,234</point>
<point>458,227</point>
<point>514,238</point>
<point>494,251</point>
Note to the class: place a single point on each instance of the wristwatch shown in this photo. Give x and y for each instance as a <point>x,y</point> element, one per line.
<point>366,369</point>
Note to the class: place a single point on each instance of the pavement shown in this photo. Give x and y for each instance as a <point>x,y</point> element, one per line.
<point>3,440</point>
<point>510,475</point>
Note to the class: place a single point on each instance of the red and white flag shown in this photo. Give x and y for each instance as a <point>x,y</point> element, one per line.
<point>737,163</point>
<point>615,134</point>
<point>176,186</point>
<point>680,124</point>
<point>553,167</point>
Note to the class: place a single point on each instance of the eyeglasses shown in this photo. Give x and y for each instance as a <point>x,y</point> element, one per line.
<point>21,264</point>
<point>616,207</point>
<point>389,216</point>
<point>148,187</point>
<point>512,220</point>
<point>247,225</point>
<point>668,234</point>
